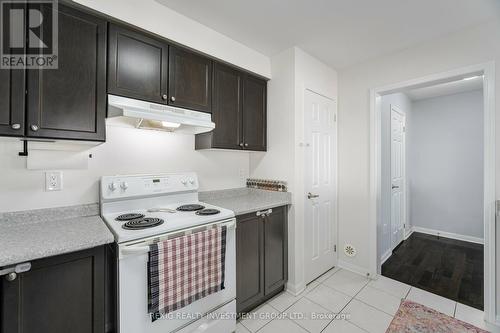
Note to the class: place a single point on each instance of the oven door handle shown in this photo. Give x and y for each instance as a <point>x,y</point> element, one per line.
<point>137,249</point>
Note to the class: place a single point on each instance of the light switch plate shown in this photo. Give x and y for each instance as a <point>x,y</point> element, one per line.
<point>53,181</point>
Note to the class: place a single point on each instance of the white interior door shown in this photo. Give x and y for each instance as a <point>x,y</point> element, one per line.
<point>398,175</point>
<point>320,130</point>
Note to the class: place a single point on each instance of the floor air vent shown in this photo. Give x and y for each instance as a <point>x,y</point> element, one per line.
<point>349,250</point>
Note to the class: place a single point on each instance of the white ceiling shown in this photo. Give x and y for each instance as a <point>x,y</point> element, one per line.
<point>443,89</point>
<point>341,33</point>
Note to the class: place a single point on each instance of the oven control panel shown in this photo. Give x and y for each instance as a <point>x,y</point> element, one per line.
<point>120,187</point>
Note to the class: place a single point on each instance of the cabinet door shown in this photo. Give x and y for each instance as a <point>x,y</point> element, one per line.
<point>189,80</point>
<point>275,248</point>
<point>12,93</point>
<point>137,65</point>
<point>249,262</point>
<point>226,110</point>
<point>59,294</point>
<point>70,102</point>
<point>254,113</point>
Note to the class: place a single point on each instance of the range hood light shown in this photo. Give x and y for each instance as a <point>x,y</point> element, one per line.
<point>169,124</point>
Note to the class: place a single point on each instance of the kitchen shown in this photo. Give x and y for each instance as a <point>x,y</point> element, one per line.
<point>119,97</point>
<point>154,129</point>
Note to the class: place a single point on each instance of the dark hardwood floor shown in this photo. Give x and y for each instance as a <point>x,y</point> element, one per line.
<point>443,266</point>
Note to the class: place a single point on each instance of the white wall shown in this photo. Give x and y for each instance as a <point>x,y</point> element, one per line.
<point>473,46</point>
<point>445,169</point>
<point>152,16</point>
<point>293,72</point>
<point>401,101</point>
<point>127,151</point>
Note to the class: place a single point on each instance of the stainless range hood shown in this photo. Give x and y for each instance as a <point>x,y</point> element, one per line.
<point>123,111</point>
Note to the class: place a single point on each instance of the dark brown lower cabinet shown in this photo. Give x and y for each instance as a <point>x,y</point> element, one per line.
<point>261,257</point>
<point>60,294</point>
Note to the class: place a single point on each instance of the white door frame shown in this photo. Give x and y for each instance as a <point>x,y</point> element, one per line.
<point>334,173</point>
<point>488,70</point>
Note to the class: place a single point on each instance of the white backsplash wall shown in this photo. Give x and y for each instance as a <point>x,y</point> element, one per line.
<point>127,151</point>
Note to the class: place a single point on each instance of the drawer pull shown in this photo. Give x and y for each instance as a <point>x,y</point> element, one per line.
<point>264,213</point>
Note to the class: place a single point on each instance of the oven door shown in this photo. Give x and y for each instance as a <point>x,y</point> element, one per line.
<point>133,316</point>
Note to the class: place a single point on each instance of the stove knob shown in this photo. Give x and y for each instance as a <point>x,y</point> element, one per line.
<point>184,182</point>
<point>124,186</point>
<point>191,181</point>
<point>112,186</point>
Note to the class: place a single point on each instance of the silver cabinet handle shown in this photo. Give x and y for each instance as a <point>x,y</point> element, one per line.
<point>246,144</point>
<point>241,144</point>
<point>394,186</point>
<point>172,99</point>
<point>15,126</point>
<point>12,271</point>
<point>164,97</point>
<point>312,196</point>
<point>264,213</point>
<point>34,128</point>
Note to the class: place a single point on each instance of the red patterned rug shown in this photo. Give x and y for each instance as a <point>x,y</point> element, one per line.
<point>416,318</point>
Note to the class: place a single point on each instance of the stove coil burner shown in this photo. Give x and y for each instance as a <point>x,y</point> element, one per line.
<point>190,208</point>
<point>207,212</point>
<point>142,223</point>
<point>129,216</point>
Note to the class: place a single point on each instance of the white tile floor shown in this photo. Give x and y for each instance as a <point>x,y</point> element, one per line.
<point>369,304</point>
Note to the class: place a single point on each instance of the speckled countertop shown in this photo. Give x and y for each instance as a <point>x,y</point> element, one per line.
<point>246,200</point>
<point>41,233</point>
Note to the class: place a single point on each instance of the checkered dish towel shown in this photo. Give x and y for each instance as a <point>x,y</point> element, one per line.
<point>185,269</point>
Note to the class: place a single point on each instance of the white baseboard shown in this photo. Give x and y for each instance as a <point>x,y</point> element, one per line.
<point>354,268</point>
<point>295,289</point>
<point>448,235</point>
<point>408,233</point>
<point>385,256</point>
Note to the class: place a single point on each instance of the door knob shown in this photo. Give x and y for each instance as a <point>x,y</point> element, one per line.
<point>246,144</point>
<point>394,186</point>
<point>241,144</point>
<point>172,99</point>
<point>15,126</point>
<point>34,128</point>
<point>164,97</point>
<point>312,196</point>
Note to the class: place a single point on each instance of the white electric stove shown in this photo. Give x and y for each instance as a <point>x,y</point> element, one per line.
<point>141,209</point>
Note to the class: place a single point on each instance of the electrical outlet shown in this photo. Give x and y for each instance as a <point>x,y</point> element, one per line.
<point>53,181</point>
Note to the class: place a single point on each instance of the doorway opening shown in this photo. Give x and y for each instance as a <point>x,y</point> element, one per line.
<point>433,196</point>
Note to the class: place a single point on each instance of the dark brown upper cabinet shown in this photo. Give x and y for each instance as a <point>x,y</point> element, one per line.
<point>254,113</point>
<point>226,110</point>
<point>12,94</point>
<point>12,110</point>
<point>70,102</point>
<point>137,65</point>
<point>238,111</point>
<point>189,80</point>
